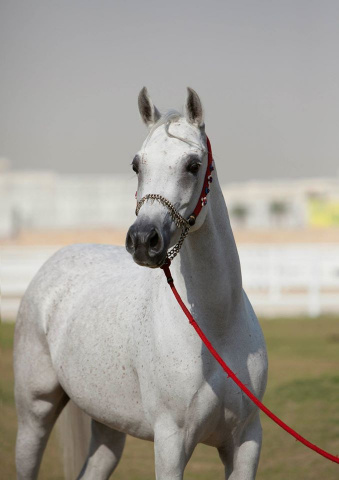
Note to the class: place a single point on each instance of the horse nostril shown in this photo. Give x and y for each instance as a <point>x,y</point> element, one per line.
<point>130,242</point>
<point>145,243</point>
<point>154,239</point>
<point>155,242</point>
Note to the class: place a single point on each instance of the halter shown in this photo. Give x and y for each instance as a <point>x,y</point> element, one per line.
<point>178,219</point>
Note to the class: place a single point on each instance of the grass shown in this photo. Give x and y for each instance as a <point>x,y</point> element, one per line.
<point>303,389</point>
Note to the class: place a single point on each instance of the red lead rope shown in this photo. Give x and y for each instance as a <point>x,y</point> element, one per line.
<point>231,374</point>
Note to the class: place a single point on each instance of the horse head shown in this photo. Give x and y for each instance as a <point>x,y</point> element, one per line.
<point>171,166</point>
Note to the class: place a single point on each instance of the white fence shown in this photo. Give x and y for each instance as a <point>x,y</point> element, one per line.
<point>279,279</point>
<point>291,279</point>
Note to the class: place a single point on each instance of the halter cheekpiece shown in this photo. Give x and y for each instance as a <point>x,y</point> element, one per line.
<point>178,219</point>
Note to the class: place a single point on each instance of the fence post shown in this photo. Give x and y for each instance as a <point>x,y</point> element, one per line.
<point>314,303</point>
<point>274,280</point>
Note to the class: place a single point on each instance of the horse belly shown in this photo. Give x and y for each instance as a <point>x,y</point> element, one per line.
<point>97,373</point>
<point>92,353</point>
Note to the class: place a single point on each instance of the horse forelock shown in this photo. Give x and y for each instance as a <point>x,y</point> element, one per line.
<point>167,119</point>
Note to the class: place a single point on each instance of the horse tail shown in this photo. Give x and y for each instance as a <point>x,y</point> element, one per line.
<point>74,428</point>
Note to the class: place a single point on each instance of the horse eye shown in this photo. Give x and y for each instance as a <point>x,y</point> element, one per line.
<point>193,168</point>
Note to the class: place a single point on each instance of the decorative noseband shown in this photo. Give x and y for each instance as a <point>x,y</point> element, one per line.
<point>178,219</point>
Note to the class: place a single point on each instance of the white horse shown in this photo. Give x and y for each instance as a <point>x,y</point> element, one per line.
<point>99,329</point>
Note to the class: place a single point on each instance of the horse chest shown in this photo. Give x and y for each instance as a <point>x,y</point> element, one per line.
<point>179,377</point>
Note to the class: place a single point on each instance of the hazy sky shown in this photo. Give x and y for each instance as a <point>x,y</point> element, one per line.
<point>267,72</point>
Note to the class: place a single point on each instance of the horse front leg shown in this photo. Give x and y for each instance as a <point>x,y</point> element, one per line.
<point>173,447</point>
<point>242,459</point>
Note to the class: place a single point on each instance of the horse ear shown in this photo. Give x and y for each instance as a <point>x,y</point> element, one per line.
<point>193,110</point>
<point>149,112</point>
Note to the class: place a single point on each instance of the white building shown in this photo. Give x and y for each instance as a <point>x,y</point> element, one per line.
<point>293,203</point>
<point>46,200</point>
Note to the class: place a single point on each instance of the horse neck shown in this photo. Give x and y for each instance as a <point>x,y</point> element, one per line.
<point>209,270</point>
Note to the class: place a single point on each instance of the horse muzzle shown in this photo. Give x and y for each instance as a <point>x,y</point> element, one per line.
<point>147,245</point>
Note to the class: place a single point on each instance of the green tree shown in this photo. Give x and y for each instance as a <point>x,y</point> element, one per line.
<point>239,211</point>
<point>278,209</point>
